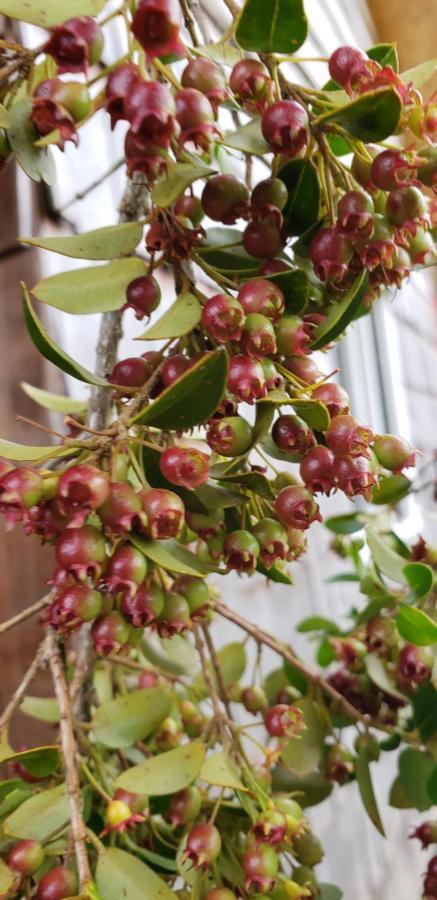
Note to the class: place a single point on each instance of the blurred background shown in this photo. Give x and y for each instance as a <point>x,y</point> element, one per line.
<point>388,363</point>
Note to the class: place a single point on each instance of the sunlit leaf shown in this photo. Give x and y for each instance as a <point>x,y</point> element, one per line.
<point>120,874</point>
<point>177,178</point>
<point>49,12</point>
<point>180,319</point>
<point>378,673</point>
<point>36,162</point>
<point>25,453</point>
<point>247,139</point>
<point>95,289</point>
<point>130,717</point>
<point>166,773</point>
<point>40,815</point>
<point>218,769</point>
<point>101,243</point>
<point>45,709</point>
<point>281,27</point>
<point>54,402</point>
<point>416,627</point>
<point>171,556</point>
<point>40,761</point>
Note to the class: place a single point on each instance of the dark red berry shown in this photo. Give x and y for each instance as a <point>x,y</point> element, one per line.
<point>241,551</point>
<point>317,470</point>
<point>151,111</point>
<point>223,318</point>
<point>246,379</point>
<point>355,212</point>
<point>186,467</point>
<point>273,540</point>
<point>252,85</point>
<point>380,636</point>
<point>271,826</point>
<point>26,857</point>
<point>75,44</point>
<point>303,368</point>
<point>185,806</point>
<point>143,295</point>
<point>207,77</point>
<point>109,633</point>
<point>284,721</point>
<point>195,116</point>
<point>122,509</point>
<point>262,296</point>
<point>260,866</point>
<point>334,397</point>
<point>81,553</point>
<point>156,25</point>
<point>390,170</point>
<point>230,436</point>
<point>173,368</point>
<point>189,207</point>
<point>295,506</point>
<point>263,239</point>
<point>165,513</point>
<point>346,436</point>
<point>127,569</point>
<point>291,434</point>
<point>74,606</point>
<point>331,252</point>
<point>258,339</point>
<point>414,664</point>
<point>285,127</point>
<point>118,86</point>
<point>57,884</point>
<point>354,476</point>
<point>426,833</point>
<point>345,64</point>
<point>60,105</point>
<point>81,490</point>
<point>293,335</point>
<point>225,199</point>
<point>132,372</point>
<point>203,846</point>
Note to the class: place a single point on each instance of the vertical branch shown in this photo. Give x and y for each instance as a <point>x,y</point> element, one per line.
<point>69,750</point>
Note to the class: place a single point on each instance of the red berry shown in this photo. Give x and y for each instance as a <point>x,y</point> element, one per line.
<point>26,857</point>
<point>274,381</point>
<point>246,379</point>
<point>346,436</point>
<point>353,476</point>
<point>185,806</point>
<point>271,826</point>
<point>225,199</point>
<point>189,207</point>
<point>174,617</point>
<point>273,541</point>
<point>173,368</point>
<point>285,127</point>
<point>355,212</point>
<point>118,86</point>
<point>426,833</point>
<point>303,368</point>
<point>260,866</point>
<point>151,111</point>
<point>393,452</point>
<point>109,633</point>
<point>132,372</point>
<point>262,296</point>
<point>412,664</point>
<point>81,553</point>
<point>143,295</point>
<point>252,85</point>
<point>381,636</point>
<point>292,435</point>
<point>317,470</point>
<point>203,846</point>
<point>230,436</point>
<point>74,606</point>
<point>195,116</point>
<point>165,513</point>
<point>345,64</point>
<point>241,551</point>
<point>274,267</point>
<point>81,490</point>
<point>334,397</point>
<point>185,466</point>
<point>284,721</point>
<point>258,339</point>
<point>220,894</point>
<point>147,678</point>
<point>223,318</point>
<point>295,506</point>
<point>143,607</point>
<point>293,335</point>
<point>57,884</point>
<point>390,170</point>
<point>263,239</point>
<point>75,44</point>
<point>127,569</point>
<point>156,25</point>
<point>330,252</point>
<point>59,105</point>
<point>145,157</point>
<point>122,509</point>
<point>268,193</point>
<point>207,77</point>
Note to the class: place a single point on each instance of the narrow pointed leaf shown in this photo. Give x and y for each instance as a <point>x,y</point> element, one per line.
<point>49,12</point>
<point>50,349</point>
<point>130,717</point>
<point>54,402</point>
<point>302,208</point>
<point>279,27</point>
<point>364,779</point>
<point>102,243</point>
<point>166,773</point>
<point>372,117</point>
<point>389,562</point>
<point>95,289</point>
<point>25,453</point>
<point>313,412</point>
<point>416,627</point>
<point>40,815</point>
<point>120,874</point>
<point>178,177</point>
<point>390,489</point>
<point>36,162</point>
<point>419,75</point>
<point>172,556</point>
<point>45,709</point>
<point>247,139</point>
<point>180,319</point>
<point>341,314</point>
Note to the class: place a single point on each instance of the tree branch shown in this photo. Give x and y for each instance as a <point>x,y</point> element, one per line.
<point>20,691</point>
<point>27,613</point>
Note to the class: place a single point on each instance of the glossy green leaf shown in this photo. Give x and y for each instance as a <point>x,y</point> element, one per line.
<point>122,875</point>
<point>416,627</point>
<point>280,27</point>
<point>54,402</point>
<point>389,562</point>
<point>166,773</point>
<point>180,319</point>
<point>378,673</point>
<point>172,556</point>
<point>223,249</point>
<point>415,769</point>
<point>372,117</point>
<point>364,779</point>
<point>273,683</point>
<point>247,139</point>
<point>95,289</point>
<point>325,654</point>
<point>223,53</point>
<point>40,761</point>
<point>303,204</point>
<point>178,177</point>
<point>343,578</point>
<point>398,797</point>
<point>295,287</point>
<point>390,489</point>
<point>102,243</point>
<point>192,399</point>
<point>275,574</point>
<point>310,789</point>
<point>385,55</point>
<point>317,623</point>
<point>7,878</point>
<point>14,799</point>
<point>302,754</point>
<point>345,524</point>
<point>45,709</point>
<point>50,350</point>
<point>49,12</point>
<point>313,412</point>
<point>40,815</point>
<point>252,481</point>
<point>420,578</point>
<point>130,717</point>
<point>419,75</point>
<point>341,314</point>
<point>425,710</point>
<point>269,447</point>
<point>24,453</point>
<point>232,660</point>
<point>218,769</point>
<point>36,162</point>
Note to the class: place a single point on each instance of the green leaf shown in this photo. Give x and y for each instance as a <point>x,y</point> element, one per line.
<point>385,55</point>
<point>432,786</point>
<point>218,769</point>
<point>377,671</point>
<point>317,623</point>
<point>49,12</point>
<point>416,627</point>
<point>313,412</point>
<point>372,117</point>
<point>180,319</point>
<point>303,204</point>
<point>252,481</point>
<point>121,874</point>
<point>130,717</point>
<point>341,314</point>
<point>343,578</point>
<point>275,574</point>
<point>415,769</point>
<point>325,654</point>
<point>223,53</point>
<point>389,562</point>
<point>177,178</point>
<point>247,139</point>
<point>398,797</point>
<point>45,709</point>
<point>5,119</point>
<point>390,489</point>
<point>420,578</point>
<point>172,556</point>
<point>223,249</point>
<point>425,710</point>
<point>50,350</point>
<point>232,661</point>
<point>102,243</point>
<point>364,779</point>
<point>166,773</point>
<point>96,289</point>
<point>302,754</point>
<point>419,75</point>
<point>190,400</point>
<point>181,651</point>
<point>40,815</point>
<point>345,524</point>
<point>330,892</point>
<point>280,27</point>
<point>36,162</point>
<point>295,287</point>
<point>54,402</point>
<point>310,789</point>
<point>273,684</point>
<point>161,659</point>
<point>40,761</point>
<point>24,453</point>
<point>7,878</point>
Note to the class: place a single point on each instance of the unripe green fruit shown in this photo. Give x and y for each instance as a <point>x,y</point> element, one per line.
<point>26,857</point>
<point>75,98</point>
<point>307,849</point>
<point>304,875</point>
<point>393,452</point>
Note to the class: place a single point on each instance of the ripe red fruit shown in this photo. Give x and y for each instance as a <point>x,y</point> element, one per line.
<point>132,372</point>
<point>273,541</point>
<point>269,193</point>
<point>295,506</point>
<point>230,436</point>
<point>143,295</point>
<point>74,606</point>
<point>156,25</point>
<point>173,368</point>
<point>118,86</point>
<point>80,553</point>
<point>225,199</point>
<point>186,467</point>
<point>151,111</point>
<point>127,569</point>
<point>331,252</point>
<point>109,633</point>
<point>381,635</point>
<point>26,857</point>
<point>258,339</point>
<point>271,826</point>
<point>285,127</point>
<point>262,296</point>
<point>195,116</point>
<point>207,77</point>
<point>347,64</point>
<point>147,679</point>
<point>426,833</point>
<point>390,170</point>
<point>303,368</point>
<point>165,513</point>
<point>413,664</point>
<point>81,490</point>
<point>317,470</point>
<point>252,85</point>
<point>223,318</point>
<point>293,335</point>
<point>203,846</point>
<point>263,239</point>
<point>292,435</point>
<point>355,213</point>
<point>220,894</point>
<point>274,381</point>
<point>20,490</point>
<point>57,884</point>
<point>144,156</point>
<point>189,207</point>
<point>334,397</point>
<point>241,551</point>
<point>260,866</point>
<point>59,105</point>
<point>353,476</point>
<point>122,509</point>
<point>284,721</point>
<point>346,436</point>
<point>76,44</point>
<point>393,452</point>
<point>246,379</point>
<point>185,806</point>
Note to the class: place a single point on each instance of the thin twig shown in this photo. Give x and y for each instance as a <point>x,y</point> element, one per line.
<point>92,186</point>
<point>70,754</point>
<point>20,691</point>
<point>27,613</point>
<point>217,670</point>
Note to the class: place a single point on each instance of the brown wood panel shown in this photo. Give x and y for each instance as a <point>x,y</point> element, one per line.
<point>413,25</point>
